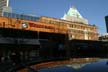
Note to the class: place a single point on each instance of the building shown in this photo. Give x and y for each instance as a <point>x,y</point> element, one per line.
<point>78,26</point>
<point>30,36</point>
<point>106,20</point>
<point>31,23</point>
<point>40,36</point>
<point>74,16</point>
<point>4,3</point>
<point>103,37</point>
<point>4,7</point>
<point>20,16</point>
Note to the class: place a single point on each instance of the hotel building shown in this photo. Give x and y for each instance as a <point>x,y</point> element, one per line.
<point>34,37</point>
<point>78,27</point>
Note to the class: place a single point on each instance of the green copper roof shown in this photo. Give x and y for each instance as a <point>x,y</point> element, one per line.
<point>74,13</point>
<point>74,16</point>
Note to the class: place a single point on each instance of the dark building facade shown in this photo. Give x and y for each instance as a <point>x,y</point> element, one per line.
<point>106,20</point>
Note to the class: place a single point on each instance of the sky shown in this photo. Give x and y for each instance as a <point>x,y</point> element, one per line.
<point>93,10</point>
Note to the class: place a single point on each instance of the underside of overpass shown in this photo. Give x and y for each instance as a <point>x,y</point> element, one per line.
<point>25,34</point>
<point>28,44</point>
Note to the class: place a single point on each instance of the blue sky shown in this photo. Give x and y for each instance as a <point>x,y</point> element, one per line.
<point>93,10</point>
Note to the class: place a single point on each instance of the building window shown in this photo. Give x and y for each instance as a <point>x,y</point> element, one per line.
<point>47,21</point>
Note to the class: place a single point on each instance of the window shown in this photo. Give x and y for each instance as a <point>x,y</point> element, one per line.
<point>9,14</point>
<point>5,14</point>
<point>20,16</point>
<point>13,15</point>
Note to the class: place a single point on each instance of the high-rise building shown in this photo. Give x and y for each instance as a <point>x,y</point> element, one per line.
<point>4,3</point>
<point>4,7</point>
<point>106,20</point>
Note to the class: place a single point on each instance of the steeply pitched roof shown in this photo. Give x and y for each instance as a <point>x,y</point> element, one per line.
<point>74,12</point>
<point>74,15</point>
